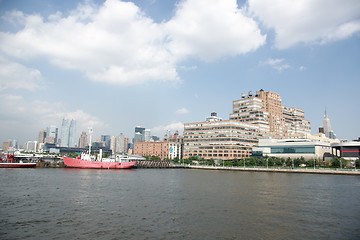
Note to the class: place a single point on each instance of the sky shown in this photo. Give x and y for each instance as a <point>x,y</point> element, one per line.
<point>114,65</point>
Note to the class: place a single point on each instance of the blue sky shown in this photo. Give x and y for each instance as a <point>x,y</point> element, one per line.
<point>114,65</point>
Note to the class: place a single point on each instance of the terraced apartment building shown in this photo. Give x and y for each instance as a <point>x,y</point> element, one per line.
<point>254,116</point>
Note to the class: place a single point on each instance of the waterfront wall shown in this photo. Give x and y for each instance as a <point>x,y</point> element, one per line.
<point>281,170</point>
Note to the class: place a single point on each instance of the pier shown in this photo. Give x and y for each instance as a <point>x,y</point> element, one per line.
<point>157,164</point>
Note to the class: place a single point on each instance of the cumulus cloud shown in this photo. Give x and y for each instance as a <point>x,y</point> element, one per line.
<point>16,110</point>
<point>16,76</point>
<point>172,127</point>
<point>212,29</point>
<point>117,43</point>
<point>182,111</point>
<point>277,64</point>
<point>307,21</point>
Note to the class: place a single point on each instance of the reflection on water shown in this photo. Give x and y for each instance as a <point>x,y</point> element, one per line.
<point>176,203</point>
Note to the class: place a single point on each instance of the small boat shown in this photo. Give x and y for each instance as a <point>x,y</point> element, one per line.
<point>115,162</point>
<point>9,162</point>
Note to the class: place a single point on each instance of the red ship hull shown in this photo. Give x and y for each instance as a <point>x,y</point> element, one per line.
<point>17,165</point>
<point>79,163</point>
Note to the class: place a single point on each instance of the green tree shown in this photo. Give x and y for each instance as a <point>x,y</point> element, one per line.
<point>235,162</point>
<point>335,162</point>
<point>212,162</point>
<point>176,160</point>
<point>288,162</point>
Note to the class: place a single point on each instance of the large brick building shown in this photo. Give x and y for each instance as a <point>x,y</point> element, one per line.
<point>254,116</point>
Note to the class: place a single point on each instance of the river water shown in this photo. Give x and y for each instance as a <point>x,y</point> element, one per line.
<point>176,204</point>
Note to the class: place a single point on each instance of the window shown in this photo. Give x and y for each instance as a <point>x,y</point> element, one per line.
<point>293,149</point>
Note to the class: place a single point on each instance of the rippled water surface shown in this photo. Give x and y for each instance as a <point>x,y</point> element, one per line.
<point>176,204</point>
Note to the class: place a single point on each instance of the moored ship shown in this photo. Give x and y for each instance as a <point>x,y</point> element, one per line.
<point>9,162</point>
<point>87,161</point>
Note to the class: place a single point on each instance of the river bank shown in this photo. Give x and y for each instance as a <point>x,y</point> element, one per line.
<point>281,170</point>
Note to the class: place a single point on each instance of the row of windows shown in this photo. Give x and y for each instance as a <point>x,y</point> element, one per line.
<point>219,155</point>
<point>252,140</point>
<point>280,150</point>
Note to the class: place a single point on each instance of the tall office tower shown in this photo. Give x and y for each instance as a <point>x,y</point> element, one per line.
<point>139,134</point>
<point>68,133</point>
<point>83,141</point>
<point>51,134</point>
<point>65,132</point>
<point>41,140</point>
<point>147,134</point>
<point>327,127</point>
<point>265,110</point>
<point>72,134</point>
<point>14,144</point>
<point>106,139</point>
<point>120,144</point>
<point>113,144</point>
<point>42,136</point>
<point>126,144</point>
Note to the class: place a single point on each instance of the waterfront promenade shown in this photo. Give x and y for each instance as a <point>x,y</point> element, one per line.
<point>281,170</point>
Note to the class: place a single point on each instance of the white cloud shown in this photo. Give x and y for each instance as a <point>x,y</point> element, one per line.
<point>211,29</point>
<point>307,21</point>
<point>277,64</point>
<point>182,111</point>
<point>20,117</point>
<point>302,68</point>
<point>161,130</point>
<point>16,76</point>
<point>118,44</point>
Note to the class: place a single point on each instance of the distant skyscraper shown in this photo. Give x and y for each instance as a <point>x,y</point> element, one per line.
<point>113,144</point>
<point>147,134</point>
<point>126,144</point>
<point>31,146</point>
<point>106,139</point>
<point>42,136</point>
<point>83,141</point>
<point>139,134</point>
<point>52,134</point>
<point>68,132</point>
<point>72,136</point>
<point>327,127</point>
<point>120,143</point>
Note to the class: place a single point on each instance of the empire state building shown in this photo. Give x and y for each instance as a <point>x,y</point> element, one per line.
<point>327,127</point>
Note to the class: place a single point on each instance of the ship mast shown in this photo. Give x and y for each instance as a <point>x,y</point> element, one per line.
<point>90,133</point>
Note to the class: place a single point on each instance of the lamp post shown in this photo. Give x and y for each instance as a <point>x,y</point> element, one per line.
<point>293,163</point>
<point>314,163</point>
<point>341,163</point>
<point>267,163</point>
<point>355,164</point>
<point>244,162</point>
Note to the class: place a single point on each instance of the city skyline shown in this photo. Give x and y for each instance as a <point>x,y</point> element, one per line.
<point>179,61</point>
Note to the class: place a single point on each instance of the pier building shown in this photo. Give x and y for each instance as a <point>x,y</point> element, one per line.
<point>347,150</point>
